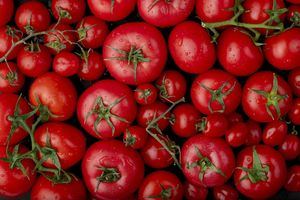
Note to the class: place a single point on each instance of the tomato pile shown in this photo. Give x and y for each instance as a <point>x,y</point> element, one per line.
<point>149,99</point>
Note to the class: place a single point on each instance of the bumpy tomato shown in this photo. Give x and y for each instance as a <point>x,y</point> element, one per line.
<point>6,10</point>
<point>11,79</point>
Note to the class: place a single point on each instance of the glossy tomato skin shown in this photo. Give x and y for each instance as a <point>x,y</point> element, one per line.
<point>237,52</point>
<point>112,154</point>
<point>275,132</point>
<point>217,151</point>
<point>237,134</point>
<point>191,47</point>
<point>254,133</point>
<point>135,136</point>
<point>163,13</point>
<point>32,14</point>
<point>105,10</point>
<point>294,113</point>
<point>214,125</point>
<point>294,81</point>
<point>34,63</point>
<point>225,192</point>
<point>275,176</point>
<point>214,10</point>
<point>283,50</point>
<point>11,79</point>
<point>134,36</point>
<point>75,9</point>
<point>66,64</point>
<point>234,117</point>
<point>290,148</point>
<point>254,104</point>
<point>113,94</point>
<point>214,80</point>
<point>145,94</point>
<point>192,192</point>
<point>45,189</point>
<point>293,179</point>
<point>8,35</point>
<point>6,10</point>
<point>57,93</point>
<point>7,107</point>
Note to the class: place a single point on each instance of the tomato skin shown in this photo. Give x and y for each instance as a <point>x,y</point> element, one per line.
<point>214,79</point>
<point>274,133</point>
<point>294,81</point>
<point>276,175</point>
<point>145,94</point>
<point>290,148</point>
<point>57,93</point>
<point>135,35</point>
<point>45,189</point>
<point>34,63</point>
<point>225,192</point>
<point>66,64</point>
<point>294,113</point>
<point>32,13</point>
<point>110,91</point>
<point>234,117</point>
<point>6,10</point>
<point>254,133</point>
<point>215,125</point>
<point>112,154</point>
<point>6,40</point>
<point>137,134</point>
<point>165,14</point>
<point>237,52</point>
<point>217,151</point>
<point>283,50</point>
<point>11,79</point>
<point>191,47</point>
<point>293,179</point>
<point>291,12</point>
<point>192,192</point>
<point>254,104</point>
<point>237,134</point>
<point>294,1</point>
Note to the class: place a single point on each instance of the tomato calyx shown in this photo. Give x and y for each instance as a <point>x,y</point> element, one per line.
<point>165,194</point>
<point>63,14</point>
<point>144,94</point>
<point>163,93</point>
<point>56,44</point>
<point>295,19</point>
<point>33,47</point>
<point>11,77</point>
<point>201,126</point>
<point>130,139</point>
<point>154,3</point>
<point>108,175</point>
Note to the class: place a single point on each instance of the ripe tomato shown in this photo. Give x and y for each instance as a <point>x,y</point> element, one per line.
<point>106,109</point>
<point>254,133</point>
<point>165,13</point>
<point>275,132</point>
<point>6,10</point>
<point>45,189</point>
<point>293,179</point>
<point>234,117</point>
<point>192,192</point>
<point>8,36</point>
<point>266,97</point>
<point>68,11</point>
<point>66,63</point>
<point>11,79</point>
<point>214,125</point>
<point>260,172</point>
<point>145,94</point>
<point>290,148</point>
<point>225,192</point>
<point>294,113</point>
<point>135,136</point>
<point>237,134</point>
<point>294,81</point>
<point>237,52</point>
<point>57,93</point>
<point>207,161</point>
<point>293,14</point>
<point>32,16</point>
<point>216,91</point>
<point>111,170</point>
<point>191,47</point>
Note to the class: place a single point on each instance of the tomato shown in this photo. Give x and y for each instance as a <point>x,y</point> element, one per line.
<point>66,63</point>
<point>11,79</point>
<point>237,134</point>
<point>172,86</point>
<point>135,53</point>
<point>294,81</point>
<point>225,192</point>
<point>207,161</point>
<point>254,133</point>
<point>45,189</point>
<point>6,10</point>
<point>293,14</point>
<point>165,13</point>
<point>294,1</point>
<point>192,192</point>
<point>14,182</point>
<point>191,47</point>
<point>216,91</point>
<point>283,50</point>
<point>8,104</point>
<point>8,36</point>
<point>234,117</point>
<point>294,113</point>
<point>106,109</point>
<point>274,133</point>
<point>68,11</point>
<point>237,52</point>
<point>214,10</point>
<point>266,97</point>
<point>32,16</point>
<point>260,172</point>
<point>290,147</point>
<point>34,60</point>
<point>111,170</point>
<point>184,120</point>
<point>135,136</point>
<point>145,94</point>
<point>111,10</point>
<point>55,92</point>
<point>293,179</point>
<point>214,125</point>
<point>92,32</point>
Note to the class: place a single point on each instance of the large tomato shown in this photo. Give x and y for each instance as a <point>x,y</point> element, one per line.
<point>6,10</point>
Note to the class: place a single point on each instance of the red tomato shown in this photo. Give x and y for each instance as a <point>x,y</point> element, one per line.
<point>214,125</point>
<point>237,134</point>
<point>234,117</point>
<point>68,11</point>
<point>135,136</point>
<point>145,94</point>
<point>45,189</point>
<point>191,47</point>
<point>275,132</point>
<point>225,192</point>
<point>294,1</point>
<point>111,10</point>
<point>55,92</point>
<point>294,81</point>
<point>32,16</point>
<point>111,170</point>
<point>6,10</point>
<point>106,109</point>
<point>192,192</point>
<point>254,133</point>
<point>294,113</point>
<point>293,14</point>
<point>11,79</point>
<point>207,161</point>
<point>290,148</point>
<point>266,97</point>
<point>66,63</point>
<point>293,179</point>
<point>161,185</point>
<point>8,35</point>
<point>216,91</point>
<point>260,172</point>
<point>283,50</point>
<point>165,13</point>
<point>237,52</point>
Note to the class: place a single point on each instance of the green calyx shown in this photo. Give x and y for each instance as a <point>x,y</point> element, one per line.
<point>296,19</point>
<point>165,194</point>
<point>57,45</point>
<point>108,175</point>
<point>201,126</point>
<point>63,14</point>
<point>12,78</point>
<point>130,139</point>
